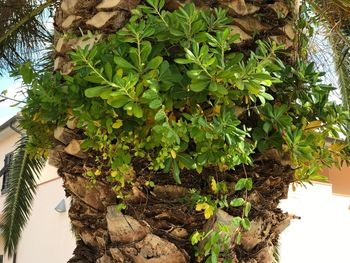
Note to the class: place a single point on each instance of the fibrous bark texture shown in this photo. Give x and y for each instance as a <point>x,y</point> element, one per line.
<point>157,223</point>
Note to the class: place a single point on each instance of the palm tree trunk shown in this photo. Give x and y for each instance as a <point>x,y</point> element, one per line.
<point>156,225</point>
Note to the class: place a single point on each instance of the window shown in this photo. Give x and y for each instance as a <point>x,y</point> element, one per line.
<point>1,256</point>
<point>5,174</point>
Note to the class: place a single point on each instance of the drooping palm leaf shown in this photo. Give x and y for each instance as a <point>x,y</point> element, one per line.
<point>23,30</point>
<point>24,171</point>
<point>342,64</point>
<point>276,253</point>
<point>335,14</point>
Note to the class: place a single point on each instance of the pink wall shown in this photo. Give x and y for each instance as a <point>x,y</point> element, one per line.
<point>340,179</point>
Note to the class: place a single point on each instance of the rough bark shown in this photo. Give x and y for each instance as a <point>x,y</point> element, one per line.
<point>73,148</point>
<point>157,224</point>
<point>64,135</point>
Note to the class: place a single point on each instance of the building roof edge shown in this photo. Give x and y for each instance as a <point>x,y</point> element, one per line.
<point>8,123</point>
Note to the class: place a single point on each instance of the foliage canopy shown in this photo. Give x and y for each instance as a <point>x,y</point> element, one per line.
<point>172,88</point>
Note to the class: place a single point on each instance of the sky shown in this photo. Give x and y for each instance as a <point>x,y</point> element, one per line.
<point>6,109</point>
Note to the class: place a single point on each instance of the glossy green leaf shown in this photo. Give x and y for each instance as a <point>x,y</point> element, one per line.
<point>246,223</point>
<point>94,79</point>
<point>240,184</point>
<point>108,71</point>
<point>137,110</point>
<point>150,95</point>
<point>186,160</point>
<point>94,92</point>
<point>197,74</point>
<point>247,207</point>
<point>160,116</point>
<point>198,86</point>
<point>155,104</point>
<point>123,63</point>
<point>154,63</point>
<point>176,172</point>
<point>237,202</point>
<point>183,61</point>
<point>146,49</point>
<point>118,101</point>
<point>236,221</point>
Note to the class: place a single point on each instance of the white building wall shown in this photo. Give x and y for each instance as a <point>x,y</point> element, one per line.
<point>322,235</point>
<point>47,236</point>
<point>8,139</point>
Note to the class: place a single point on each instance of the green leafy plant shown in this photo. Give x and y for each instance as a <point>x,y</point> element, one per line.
<point>170,89</point>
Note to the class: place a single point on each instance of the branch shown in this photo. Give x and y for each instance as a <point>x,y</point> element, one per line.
<point>12,99</point>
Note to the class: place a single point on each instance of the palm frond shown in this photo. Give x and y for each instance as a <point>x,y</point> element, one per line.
<point>23,30</point>
<point>276,253</point>
<point>334,15</point>
<point>342,65</point>
<point>23,173</point>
